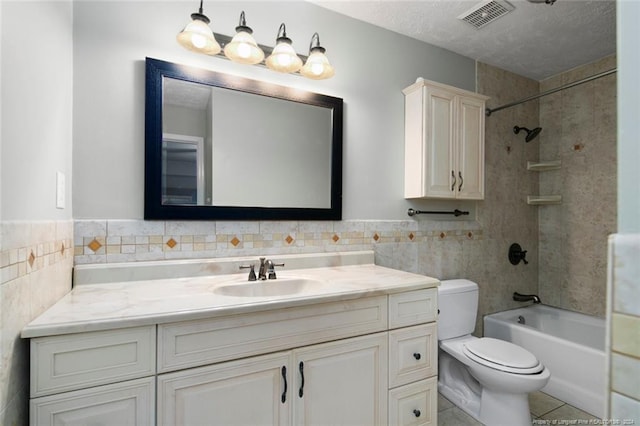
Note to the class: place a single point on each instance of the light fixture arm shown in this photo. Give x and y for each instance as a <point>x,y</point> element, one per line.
<point>199,15</point>
<point>242,24</point>
<point>317,46</point>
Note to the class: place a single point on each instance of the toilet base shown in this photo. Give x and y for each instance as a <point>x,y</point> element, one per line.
<point>498,408</point>
<point>491,407</point>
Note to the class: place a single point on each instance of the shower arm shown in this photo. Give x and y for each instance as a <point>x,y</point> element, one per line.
<point>489,111</point>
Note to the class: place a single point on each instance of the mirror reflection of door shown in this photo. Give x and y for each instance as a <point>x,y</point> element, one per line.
<point>182,170</point>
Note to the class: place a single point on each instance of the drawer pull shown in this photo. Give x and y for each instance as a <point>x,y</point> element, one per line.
<point>416,413</point>
<point>417,355</point>
<point>301,368</point>
<point>284,376</point>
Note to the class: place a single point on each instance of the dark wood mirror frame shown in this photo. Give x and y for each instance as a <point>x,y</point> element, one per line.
<point>154,209</point>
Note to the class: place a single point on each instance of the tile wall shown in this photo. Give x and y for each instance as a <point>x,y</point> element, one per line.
<point>36,260</point>
<point>109,241</point>
<point>579,128</point>
<point>624,328</point>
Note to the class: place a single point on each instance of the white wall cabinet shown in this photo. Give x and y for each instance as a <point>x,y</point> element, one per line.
<point>371,360</point>
<point>444,142</point>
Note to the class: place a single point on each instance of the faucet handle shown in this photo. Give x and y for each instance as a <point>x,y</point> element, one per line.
<point>252,271</point>
<point>271,269</point>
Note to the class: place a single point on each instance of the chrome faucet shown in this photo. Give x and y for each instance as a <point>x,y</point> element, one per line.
<point>267,269</point>
<point>526,297</point>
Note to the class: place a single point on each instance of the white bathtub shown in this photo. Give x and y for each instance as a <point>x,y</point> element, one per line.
<point>569,344</point>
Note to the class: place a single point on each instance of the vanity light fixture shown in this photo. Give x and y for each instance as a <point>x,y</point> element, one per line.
<point>197,35</point>
<point>284,57</point>
<point>243,48</point>
<point>317,66</point>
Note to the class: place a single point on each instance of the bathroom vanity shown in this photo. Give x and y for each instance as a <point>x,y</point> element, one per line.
<point>334,339</point>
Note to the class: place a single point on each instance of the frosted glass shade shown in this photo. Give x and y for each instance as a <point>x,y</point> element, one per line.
<point>198,37</point>
<point>317,66</point>
<point>284,58</point>
<point>244,49</point>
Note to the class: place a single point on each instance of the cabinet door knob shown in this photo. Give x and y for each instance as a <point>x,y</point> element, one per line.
<point>461,181</point>
<point>453,185</point>
<point>417,355</point>
<point>416,413</point>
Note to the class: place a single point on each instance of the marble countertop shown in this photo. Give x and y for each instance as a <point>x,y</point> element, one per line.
<point>96,307</point>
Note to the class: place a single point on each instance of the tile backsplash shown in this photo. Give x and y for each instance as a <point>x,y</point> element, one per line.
<point>114,241</point>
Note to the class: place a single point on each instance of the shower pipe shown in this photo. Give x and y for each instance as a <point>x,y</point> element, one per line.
<point>489,111</point>
<point>456,212</point>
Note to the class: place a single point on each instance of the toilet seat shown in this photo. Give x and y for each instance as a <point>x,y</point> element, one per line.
<point>502,355</point>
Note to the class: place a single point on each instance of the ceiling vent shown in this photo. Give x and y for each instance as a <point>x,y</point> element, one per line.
<point>485,12</point>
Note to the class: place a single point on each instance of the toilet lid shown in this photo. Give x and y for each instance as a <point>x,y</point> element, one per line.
<point>502,355</point>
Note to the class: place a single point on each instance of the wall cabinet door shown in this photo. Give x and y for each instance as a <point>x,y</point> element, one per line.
<point>470,146</point>
<point>251,391</point>
<point>342,383</point>
<point>444,142</point>
<point>439,154</point>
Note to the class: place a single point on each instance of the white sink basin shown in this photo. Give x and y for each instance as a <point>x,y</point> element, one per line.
<point>270,288</point>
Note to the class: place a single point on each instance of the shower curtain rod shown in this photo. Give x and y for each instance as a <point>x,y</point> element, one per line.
<point>488,111</point>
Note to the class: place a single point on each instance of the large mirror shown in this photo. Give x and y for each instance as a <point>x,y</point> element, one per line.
<point>223,147</point>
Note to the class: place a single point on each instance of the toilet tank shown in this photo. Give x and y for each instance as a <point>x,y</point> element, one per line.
<point>458,307</point>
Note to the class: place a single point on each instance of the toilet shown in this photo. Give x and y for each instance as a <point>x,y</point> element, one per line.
<point>489,379</point>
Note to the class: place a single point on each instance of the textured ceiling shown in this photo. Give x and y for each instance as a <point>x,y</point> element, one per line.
<point>535,40</point>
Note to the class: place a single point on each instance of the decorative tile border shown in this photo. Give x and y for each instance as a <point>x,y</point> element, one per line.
<point>28,247</point>
<point>113,241</point>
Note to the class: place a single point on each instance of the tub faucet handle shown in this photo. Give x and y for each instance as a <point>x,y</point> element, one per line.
<point>516,254</point>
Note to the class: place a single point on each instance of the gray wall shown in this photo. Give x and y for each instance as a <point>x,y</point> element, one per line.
<point>36,253</point>
<point>36,96</point>
<point>109,57</point>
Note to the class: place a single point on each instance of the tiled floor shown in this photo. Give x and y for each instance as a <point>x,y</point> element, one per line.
<point>544,409</point>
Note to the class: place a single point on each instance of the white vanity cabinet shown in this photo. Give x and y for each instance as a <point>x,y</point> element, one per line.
<point>444,142</point>
<point>362,351</point>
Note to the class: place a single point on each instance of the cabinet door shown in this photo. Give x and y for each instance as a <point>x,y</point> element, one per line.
<point>342,383</point>
<point>251,391</point>
<point>470,155</point>
<point>439,174</point>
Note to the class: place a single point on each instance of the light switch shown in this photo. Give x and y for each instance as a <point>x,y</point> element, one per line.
<point>60,188</point>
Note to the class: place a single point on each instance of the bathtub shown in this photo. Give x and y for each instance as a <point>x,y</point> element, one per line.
<point>569,344</point>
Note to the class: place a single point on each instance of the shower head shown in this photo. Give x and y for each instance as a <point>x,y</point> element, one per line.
<point>531,134</point>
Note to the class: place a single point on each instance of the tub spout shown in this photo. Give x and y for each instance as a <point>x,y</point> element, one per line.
<point>525,297</point>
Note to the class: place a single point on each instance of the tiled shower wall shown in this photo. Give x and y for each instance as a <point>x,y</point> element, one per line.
<point>624,326</point>
<point>35,265</point>
<point>476,250</point>
<point>579,128</point>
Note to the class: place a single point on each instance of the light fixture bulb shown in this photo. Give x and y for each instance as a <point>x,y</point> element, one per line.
<point>198,37</point>
<point>243,47</point>
<point>283,58</point>
<point>317,66</point>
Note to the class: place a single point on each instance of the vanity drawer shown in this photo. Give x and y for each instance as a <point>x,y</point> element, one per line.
<point>194,343</point>
<point>75,361</point>
<point>127,403</point>
<point>413,307</point>
<point>415,404</point>
<point>413,354</point>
